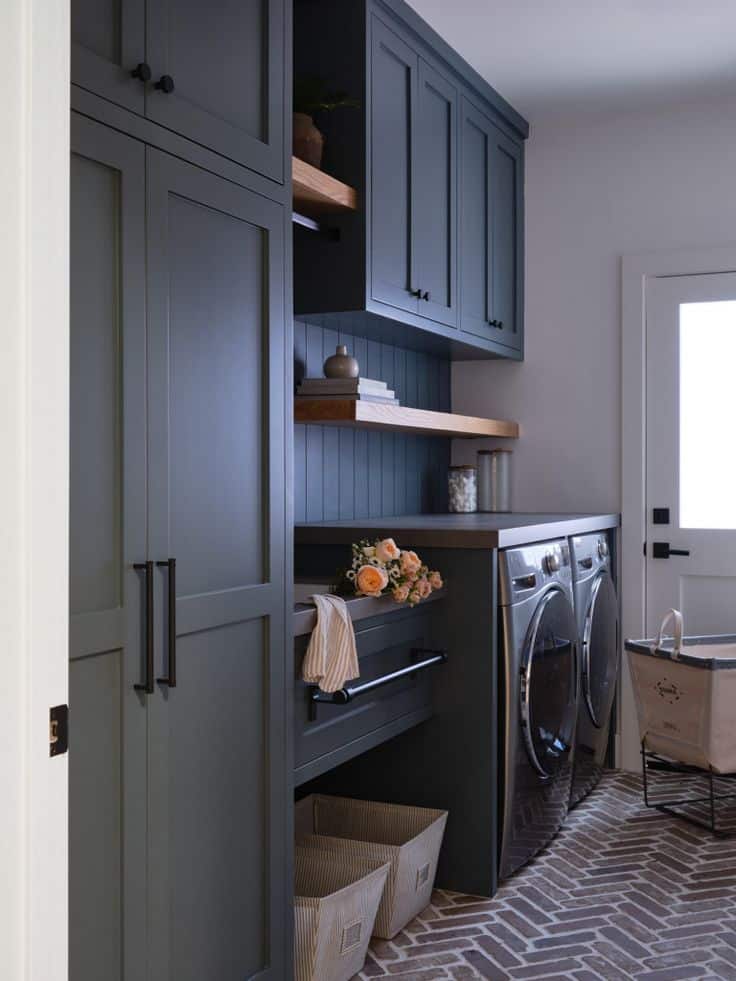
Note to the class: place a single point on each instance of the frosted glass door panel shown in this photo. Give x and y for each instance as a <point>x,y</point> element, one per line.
<point>707,415</point>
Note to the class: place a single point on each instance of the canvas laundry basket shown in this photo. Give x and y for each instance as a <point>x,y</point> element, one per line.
<point>335,904</point>
<point>408,838</point>
<point>685,691</point>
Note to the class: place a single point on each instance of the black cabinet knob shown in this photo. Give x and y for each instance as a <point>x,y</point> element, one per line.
<point>496,323</point>
<point>142,71</point>
<point>416,293</point>
<point>165,84</point>
<point>425,295</point>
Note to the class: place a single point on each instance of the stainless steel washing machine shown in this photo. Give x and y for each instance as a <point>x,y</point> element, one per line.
<point>596,611</point>
<point>539,693</point>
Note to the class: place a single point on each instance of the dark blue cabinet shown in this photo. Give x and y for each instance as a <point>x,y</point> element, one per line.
<point>491,232</point>
<point>212,72</point>
<point>432,259</point>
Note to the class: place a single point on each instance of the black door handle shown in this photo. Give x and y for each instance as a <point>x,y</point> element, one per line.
<point>170,677</point>
<point>165,84</point>
<point>147,684</point>
<point>662,550</point>
<point>142,71</point>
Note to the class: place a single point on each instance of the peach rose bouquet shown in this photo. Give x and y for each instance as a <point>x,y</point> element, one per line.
<point>381,568</point>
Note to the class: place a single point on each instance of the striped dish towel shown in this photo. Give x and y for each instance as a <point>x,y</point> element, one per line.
<point>331,659</point>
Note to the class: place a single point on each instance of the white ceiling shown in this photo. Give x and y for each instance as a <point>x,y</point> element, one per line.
<point>551,57</point>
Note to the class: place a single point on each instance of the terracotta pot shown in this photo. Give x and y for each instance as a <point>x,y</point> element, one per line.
<point>308,141</point>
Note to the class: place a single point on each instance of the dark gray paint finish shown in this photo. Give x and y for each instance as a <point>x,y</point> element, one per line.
<point>383,646</point>
<point>230,620</point>
<point>458,531</point>
<point>404,236</point>
<point>108,41</point>
<point>394,89</point>
<point>350,473</point>
<point>435,200</point>
<point>229,93</point>
<point>91,105</point>
<point>491,246</point>
<point>107,776</point>
<point>450,761</point>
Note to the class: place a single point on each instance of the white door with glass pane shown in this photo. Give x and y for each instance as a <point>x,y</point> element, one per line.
<point>691,451</point>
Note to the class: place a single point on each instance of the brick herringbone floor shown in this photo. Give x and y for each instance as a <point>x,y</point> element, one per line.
<point>622,892</point>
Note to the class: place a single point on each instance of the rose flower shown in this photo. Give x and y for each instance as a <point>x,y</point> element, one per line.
<point>410,563</point>
<point>370,580</point>
<point>387,550</point>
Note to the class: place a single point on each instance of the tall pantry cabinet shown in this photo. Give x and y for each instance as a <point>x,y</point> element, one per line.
<point>180,366</point>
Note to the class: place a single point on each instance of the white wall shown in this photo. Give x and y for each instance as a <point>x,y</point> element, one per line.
<point>34,464</point>
<point>594,191</point>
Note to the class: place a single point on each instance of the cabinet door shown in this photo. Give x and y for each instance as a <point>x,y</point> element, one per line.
<point>107,754</point>
<point>217,401</point>
<point>394,71</point>
<point>226,59</point>
<point>490,231</point>
<point>108,42</point>
<point>435,197</point>
<point>507,285</point>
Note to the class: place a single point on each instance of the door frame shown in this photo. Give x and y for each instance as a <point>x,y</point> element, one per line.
<point>637,271</point>
<point>34,449</point>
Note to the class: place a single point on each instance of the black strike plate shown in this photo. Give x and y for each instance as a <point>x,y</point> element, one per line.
<point>58,730</point>
<point>660,516</point>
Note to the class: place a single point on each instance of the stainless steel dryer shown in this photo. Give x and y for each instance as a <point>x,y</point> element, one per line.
<point>596,611</point>
<point>539,690</point>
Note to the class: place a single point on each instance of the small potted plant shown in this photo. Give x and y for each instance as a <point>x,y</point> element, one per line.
<point>311,95</point>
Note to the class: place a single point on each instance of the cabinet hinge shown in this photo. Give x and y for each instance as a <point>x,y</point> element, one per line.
<point>58,730</point>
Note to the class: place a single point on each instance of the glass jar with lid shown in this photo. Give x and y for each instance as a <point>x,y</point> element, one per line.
<point>462,488</point>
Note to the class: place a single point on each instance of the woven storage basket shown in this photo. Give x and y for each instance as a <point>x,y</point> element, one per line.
<point>685,691</point>
<point>409,838</point>
<point>335,905</point>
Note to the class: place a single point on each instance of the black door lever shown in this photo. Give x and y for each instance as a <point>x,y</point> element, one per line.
<point>662,550</point>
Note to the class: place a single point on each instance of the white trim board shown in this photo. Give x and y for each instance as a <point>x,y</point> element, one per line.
<point>636,271</point>
<point>34,457</point>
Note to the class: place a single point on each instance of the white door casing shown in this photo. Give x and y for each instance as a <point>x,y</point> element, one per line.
<point>640,276</point>
<point>691,451</point>
<point>34,455</point>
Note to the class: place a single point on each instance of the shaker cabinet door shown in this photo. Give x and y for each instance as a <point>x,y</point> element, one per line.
<point>107,753</point>
<point>394,71</point>
<point>490,231</point>
<point>507,287</point>
<point>108,43</point>
<point>220,70</point>
<point>217,753</point>
<point>435,197</point>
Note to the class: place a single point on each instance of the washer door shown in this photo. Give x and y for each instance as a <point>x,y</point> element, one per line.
<point>600,650</point>
<point>549,684</point>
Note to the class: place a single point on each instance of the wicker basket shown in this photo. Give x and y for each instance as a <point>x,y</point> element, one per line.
<point>335,905</point>
<point>409,838</point>
<point>685,691</point>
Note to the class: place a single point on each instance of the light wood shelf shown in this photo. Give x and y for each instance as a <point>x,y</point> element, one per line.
<point>399,418</point>
<point>317,193</point>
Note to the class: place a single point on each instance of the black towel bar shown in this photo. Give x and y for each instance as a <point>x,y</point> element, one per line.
<point>345,695</point>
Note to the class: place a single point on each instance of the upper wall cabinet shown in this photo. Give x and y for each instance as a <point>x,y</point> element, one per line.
<point>491,245</point>
<point>212,72</point>
<point>433,256</point>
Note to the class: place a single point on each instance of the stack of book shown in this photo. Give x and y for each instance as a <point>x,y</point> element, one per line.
<point>353,389</point>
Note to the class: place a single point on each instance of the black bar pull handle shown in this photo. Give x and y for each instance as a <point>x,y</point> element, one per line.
<point>147,684</point>
<point>662,550</point>
<point>345,695</point>
<point>170,677</point>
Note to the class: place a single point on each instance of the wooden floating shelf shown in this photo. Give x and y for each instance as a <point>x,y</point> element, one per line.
<point>316,193</point>
<point>399,418</point>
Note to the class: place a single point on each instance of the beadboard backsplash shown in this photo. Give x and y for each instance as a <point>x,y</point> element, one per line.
<point>343,473</point>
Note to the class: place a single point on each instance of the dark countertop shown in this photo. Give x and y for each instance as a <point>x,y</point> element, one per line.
<point>456,530</point>
<point>359,607</point>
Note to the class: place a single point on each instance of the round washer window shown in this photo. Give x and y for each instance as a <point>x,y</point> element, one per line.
<point>600,650</point>
<point>549,684</point>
